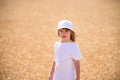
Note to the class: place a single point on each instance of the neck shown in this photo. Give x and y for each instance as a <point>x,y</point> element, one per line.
<point>66,41</point>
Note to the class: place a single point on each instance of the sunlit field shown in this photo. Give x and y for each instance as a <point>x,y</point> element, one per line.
<point>28,31</point>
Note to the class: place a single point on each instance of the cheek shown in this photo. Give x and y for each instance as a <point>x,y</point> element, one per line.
<point>69,34</point>
<point>59,34</point>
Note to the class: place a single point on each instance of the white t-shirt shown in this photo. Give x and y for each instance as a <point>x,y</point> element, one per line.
<point>64,53</point>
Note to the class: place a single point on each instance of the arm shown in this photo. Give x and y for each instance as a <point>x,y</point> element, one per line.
<point>77,67</point>
<point>52,71</point>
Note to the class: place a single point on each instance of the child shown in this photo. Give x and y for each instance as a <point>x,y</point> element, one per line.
<point>66,65</point>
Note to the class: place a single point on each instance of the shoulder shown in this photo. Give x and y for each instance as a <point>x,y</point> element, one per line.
<point>75,45</point>
<point>56,43</point>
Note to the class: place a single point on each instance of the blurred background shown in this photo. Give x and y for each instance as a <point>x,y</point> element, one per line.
<point>28,33</point>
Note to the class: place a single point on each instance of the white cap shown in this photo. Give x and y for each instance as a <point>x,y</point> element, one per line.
<point>65,24</point>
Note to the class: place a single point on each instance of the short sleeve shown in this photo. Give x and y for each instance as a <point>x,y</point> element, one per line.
<point>76,53</point>
<point>55,51</point>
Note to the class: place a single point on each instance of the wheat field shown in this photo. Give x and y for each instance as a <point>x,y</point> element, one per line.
<point>28,33</point>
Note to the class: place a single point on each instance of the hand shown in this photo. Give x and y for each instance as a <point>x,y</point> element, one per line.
<point>51,77</point>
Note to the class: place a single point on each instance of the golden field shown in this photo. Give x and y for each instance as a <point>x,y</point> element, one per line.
<point>28,33</point>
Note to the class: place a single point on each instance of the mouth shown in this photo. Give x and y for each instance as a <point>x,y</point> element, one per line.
<point>63,36</point>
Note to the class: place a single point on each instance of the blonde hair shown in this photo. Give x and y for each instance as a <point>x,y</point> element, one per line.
<point>72,35</point>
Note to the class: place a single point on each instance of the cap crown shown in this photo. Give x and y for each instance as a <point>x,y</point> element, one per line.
<point>65,24</point>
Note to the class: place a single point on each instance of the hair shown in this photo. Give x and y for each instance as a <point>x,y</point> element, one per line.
<point>72,35</point>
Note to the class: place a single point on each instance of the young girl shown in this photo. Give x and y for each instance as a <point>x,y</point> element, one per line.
<point>67,55</point>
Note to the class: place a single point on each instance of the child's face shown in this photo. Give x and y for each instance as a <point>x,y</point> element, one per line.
<point>64,34</point>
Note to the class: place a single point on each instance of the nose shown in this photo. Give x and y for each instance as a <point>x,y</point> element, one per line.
<point>63,33</point>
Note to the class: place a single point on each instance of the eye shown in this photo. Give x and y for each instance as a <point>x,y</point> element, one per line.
<point>61,31</point>
<point>66,31</point>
